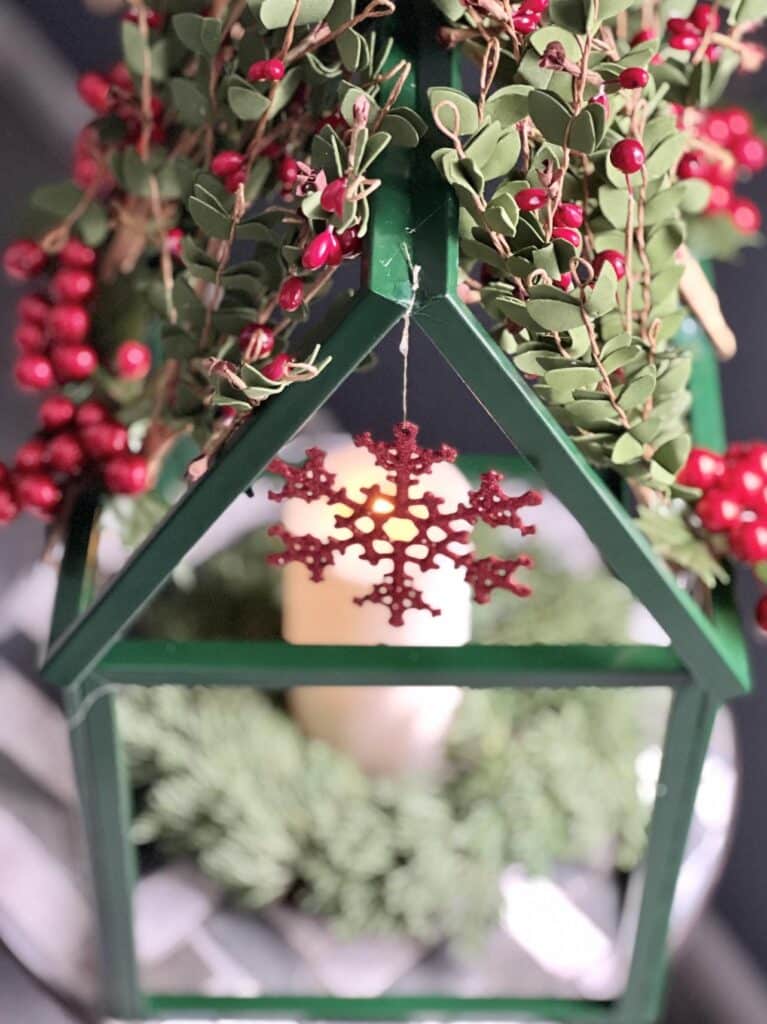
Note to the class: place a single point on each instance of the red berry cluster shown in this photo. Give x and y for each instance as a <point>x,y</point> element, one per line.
<point>115,94</point>
<point>54,326</point>
<point>53,334</point>
<point>687,34</point>
<point>527,17</point>
<point>734,501</point>
<point>73,440</point>
<point>728,150</point>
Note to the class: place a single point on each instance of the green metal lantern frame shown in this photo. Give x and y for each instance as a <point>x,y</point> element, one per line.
<point>706,664</point>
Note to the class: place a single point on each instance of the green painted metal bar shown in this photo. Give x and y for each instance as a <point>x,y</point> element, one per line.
<point>710,431</point>
<point>81,646</point>
<point>435,207</point>
<point>519,413</point>
<point>383,1008</point>
<point>277,665</point>
<point>687,737</point>
<point>388,258</point>
<point>106,807</point>
<point>71,586</point>
<point>707,418</point>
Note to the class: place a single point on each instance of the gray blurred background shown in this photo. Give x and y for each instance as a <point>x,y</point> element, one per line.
<point>43,43</point>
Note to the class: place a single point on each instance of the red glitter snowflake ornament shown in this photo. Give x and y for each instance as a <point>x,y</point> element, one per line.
<point>434,531</point>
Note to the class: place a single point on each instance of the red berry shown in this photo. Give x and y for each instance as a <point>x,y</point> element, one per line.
<point>744,483</point>
<point>761,611</point>
<point>321,250</point>
<point>85,171</point>
<point>717,127</point>
<point>225,162</point>
<point>256,341</point>
<point>30,337</point>
<point>720,199</point>
<point>33,309</point>
<point>751,153</point>
<point>565,282</point>
<point>257,71</point>
<point>32,456</point>
<point>719,511</point>
<point>627,156</point>
<point>173,242</point>
<point>533,6</point>
<point>529,199</point>
<point>65,454</point>
<point>126,474</point>
<point>24,260</point>
<point>686,41</point>
<point>644,35</point>
<point>350,242</point>
<point>133,360</point>
<point>569,215</point>
<point>713,52</point>
<point>739,122</point>
<point>288,171</point>
<point>749,542</point>
<point>8,507</point>
<point>525,23</point>
<point>104,440</point>
<point>704,17</point>
<point>120,76</point>
<point>37,491</point>
<point>333,197</point>
<point>335,254</point>
<point>69,324</point>
<point>91,412</point>
<point>746,215</point>
<point>568,235</point>
<point>633,78</point>
<point>76,254</point>
<point>601,100</point>
<point>690,166</point>
<point>291,294</point>
<point>616,260</point>
<point>703,469</point>
<point>681,25</point>
<point>274,69</point>
<point>277,369</point>
<point>69,285</point>
<point>96,91</point>
<point>74,362</point>
<point>233,181</point>
<point>154,19</point>
<point>755,457</point>
<point>56,412</point>
<point>34,372</point>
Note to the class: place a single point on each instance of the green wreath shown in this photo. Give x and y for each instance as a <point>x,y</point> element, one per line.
<point>226,776</point>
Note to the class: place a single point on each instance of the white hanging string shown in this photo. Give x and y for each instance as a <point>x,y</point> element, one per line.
<point>404,345</point>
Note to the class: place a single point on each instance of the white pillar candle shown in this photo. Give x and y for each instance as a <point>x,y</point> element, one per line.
<point>386,729</point>
<point>326,612</point>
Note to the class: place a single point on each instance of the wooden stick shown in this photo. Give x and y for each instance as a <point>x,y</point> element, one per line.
<point>703,301</point>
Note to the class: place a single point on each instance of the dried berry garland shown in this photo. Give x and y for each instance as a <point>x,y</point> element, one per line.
<point>581,165</point>
<point>435,532</point>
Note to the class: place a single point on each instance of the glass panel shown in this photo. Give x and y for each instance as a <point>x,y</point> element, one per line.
<point>394,840</point>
